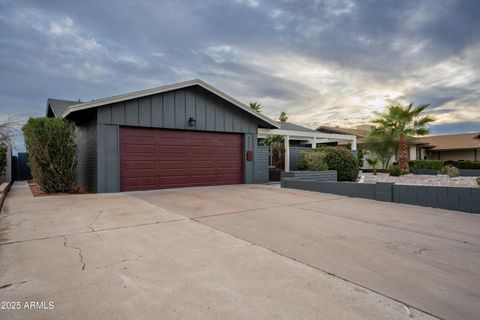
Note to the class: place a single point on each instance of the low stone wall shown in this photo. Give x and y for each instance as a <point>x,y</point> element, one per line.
<point>470,172</point>
<point>4,188</point>
<point>325,175</point>
<point>451,198</point>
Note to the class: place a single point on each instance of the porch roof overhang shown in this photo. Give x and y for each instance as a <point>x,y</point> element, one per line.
<point>319,137</point>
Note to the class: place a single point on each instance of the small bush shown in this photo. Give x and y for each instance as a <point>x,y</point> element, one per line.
<point>342,160</point>
<point>52,153</point>
<point>314,161</point>
<point>478,181</point>
<point>395,171</point>
<point>426,164</point>
<point>302,161</point>
<point>468,164</point>
<point>3,158</point>
<point>450,171</point>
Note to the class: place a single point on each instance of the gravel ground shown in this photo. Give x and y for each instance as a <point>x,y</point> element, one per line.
<point>421,179</point>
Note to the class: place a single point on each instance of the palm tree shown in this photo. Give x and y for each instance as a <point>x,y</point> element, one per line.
<point>373,163</point>
<point>403,122</point>
<point>254,105</point>
<point>283,117</point>
<point>277,146</point>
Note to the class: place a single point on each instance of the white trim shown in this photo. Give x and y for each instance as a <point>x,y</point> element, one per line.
<point>181,85</point>
<point>286,141</point>
<point>319,137</point>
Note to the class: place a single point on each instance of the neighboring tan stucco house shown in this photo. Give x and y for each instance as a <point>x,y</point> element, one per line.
<point>452,147</point>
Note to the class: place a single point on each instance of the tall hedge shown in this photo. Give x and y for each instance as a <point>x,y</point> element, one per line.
<point>52,152</point>
<point>467,164</point>
<point>426,164</point>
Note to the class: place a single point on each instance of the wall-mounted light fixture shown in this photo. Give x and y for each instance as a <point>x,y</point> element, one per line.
<point>192,122</point>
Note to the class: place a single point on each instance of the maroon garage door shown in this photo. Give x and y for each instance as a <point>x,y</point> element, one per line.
<point>159,158</point>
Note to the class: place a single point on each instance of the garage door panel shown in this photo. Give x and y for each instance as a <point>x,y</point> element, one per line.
<point>180,150</point>
<point>164,158</point>
<point>171,173</point>
<point>140,148</point>
<point>202,171</point>
<point>202,164</point>
<point>172,164</point>
<point>141,181</point>
<point>227,164</point>
<point>137,140</point>
<point>140,164</point>
<point>202,150</point>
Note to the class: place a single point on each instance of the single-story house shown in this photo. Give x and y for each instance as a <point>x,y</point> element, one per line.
<point>451,147</point>
<point>179,135</point>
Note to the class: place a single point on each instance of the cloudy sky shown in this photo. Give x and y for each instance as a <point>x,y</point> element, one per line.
<point>323,62</point>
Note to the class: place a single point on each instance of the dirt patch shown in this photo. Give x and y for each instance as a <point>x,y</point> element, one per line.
<point>39,193</point>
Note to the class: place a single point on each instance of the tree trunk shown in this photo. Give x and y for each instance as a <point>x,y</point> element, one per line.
<point>278,158</point>
<point>403,159</point>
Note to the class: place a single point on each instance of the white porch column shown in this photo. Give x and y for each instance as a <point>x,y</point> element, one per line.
<point>287,153</point>
<point>314,143</point>
<point>354,144</point>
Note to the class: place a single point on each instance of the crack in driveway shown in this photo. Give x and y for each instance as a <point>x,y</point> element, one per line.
<point>90,225</point>
<point>76,248</point>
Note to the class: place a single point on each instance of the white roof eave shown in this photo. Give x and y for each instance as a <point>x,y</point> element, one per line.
<point>305,134</point>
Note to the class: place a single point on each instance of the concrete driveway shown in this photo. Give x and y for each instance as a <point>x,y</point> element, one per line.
<point>236,252</point>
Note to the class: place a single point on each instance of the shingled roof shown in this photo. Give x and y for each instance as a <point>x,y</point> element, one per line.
<point>451,141</point>
<point>293,127</point>
<point>360,133</point>
<point>58,106</point>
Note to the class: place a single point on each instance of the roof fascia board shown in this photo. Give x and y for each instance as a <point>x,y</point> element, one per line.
<point>305,134</point>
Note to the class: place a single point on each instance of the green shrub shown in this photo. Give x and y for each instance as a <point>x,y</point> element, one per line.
<point>341,160</point>
<point>395,170</point>
<point>302,163</point>
<point>450,171</point>
<point>52,153</point>
<point>411,166</point>
<point>426,164</point>
<point>3,157</point>
<point>468,164</point>
<point>478,181</point>
<point>314,161</point>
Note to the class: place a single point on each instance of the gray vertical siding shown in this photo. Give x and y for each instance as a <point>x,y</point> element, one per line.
<point>249,141</point>
<point>173,109</point>
<point>86,140</point>
<point>295,156</point>
<point>108,173</point>
<point>261,164</point>
<point>170,110</point>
